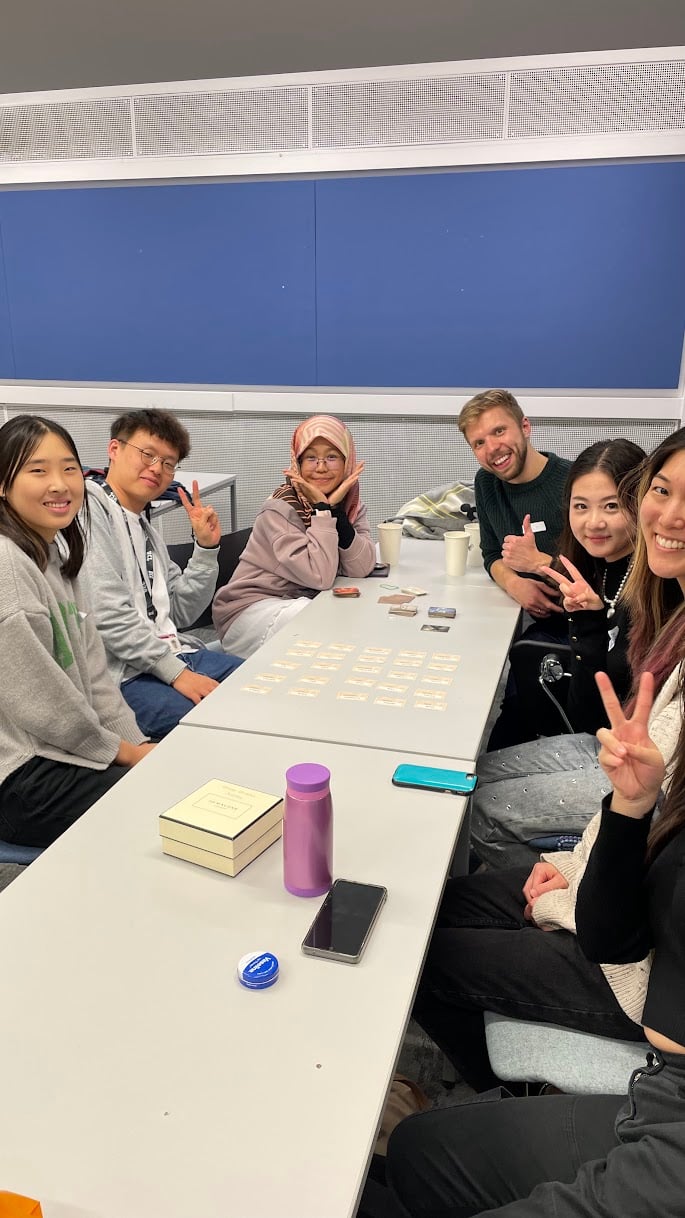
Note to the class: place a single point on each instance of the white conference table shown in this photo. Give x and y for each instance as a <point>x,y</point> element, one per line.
<point>208,484</point>
<point>344,697</point>
<point>139,1080</point>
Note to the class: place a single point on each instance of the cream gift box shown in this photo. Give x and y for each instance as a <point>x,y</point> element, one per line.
<point>222,826</point>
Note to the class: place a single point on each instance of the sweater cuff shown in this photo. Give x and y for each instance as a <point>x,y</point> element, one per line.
<point>124,727</point>
<point>616,830</point>
<point>168,668</point>
<point>346,533</point>
<point>587,622</point>
<point>208,556</point>
<point>100,746</point>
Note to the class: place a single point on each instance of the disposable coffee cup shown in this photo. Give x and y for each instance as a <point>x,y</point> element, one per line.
<point>456,551</point>
<point>389,539</point>
<point>475,557</point>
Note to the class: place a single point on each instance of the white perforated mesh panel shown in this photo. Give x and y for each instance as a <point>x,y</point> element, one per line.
<point>359,114</point>
<point>249,120</point>
<point>404,455</point>
<point>591,100</point>
<point>391,112</point>
<point>66,130</point>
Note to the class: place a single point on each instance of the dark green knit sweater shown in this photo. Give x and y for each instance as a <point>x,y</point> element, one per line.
<point>502,507</point>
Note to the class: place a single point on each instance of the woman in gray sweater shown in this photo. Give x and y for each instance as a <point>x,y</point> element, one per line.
<point>66,734</point>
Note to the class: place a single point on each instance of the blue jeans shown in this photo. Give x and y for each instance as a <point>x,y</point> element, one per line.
<point>158,706</point>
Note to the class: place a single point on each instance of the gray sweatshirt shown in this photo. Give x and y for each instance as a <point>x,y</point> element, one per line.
<point>113,578</point>
<point>56,697</point>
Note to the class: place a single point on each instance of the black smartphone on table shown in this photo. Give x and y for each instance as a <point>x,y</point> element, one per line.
<point>341,929</point>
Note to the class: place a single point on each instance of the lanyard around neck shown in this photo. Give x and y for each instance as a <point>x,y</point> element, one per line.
<point>149,555</point>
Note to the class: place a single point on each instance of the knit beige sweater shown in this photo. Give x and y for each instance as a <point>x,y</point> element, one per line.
<point>556,910</point>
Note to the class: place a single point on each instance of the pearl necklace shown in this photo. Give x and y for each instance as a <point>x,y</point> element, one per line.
<point>611,602</point>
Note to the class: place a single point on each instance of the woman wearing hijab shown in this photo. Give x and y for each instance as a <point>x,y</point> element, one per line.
<point>312,529</point>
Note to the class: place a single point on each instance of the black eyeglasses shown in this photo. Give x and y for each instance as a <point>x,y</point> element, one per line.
<point>151,459</point>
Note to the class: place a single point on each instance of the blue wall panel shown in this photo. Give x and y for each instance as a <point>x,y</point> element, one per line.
<point>6,352</point>
<point>563,277</point>
<point>164,283</point>
<point>554,278</point>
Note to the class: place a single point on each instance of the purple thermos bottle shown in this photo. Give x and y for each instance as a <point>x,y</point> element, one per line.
<point>307,831</point>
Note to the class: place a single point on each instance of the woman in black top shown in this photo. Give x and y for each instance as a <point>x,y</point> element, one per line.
<point>566,1156</point>
<point>552,785</point>
<point>504,940</point>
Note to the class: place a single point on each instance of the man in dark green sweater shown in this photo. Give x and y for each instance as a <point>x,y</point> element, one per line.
<point>519,494</point>
<point>518,498</point>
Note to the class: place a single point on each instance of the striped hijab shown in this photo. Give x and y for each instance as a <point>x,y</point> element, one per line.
<point>320,427</point>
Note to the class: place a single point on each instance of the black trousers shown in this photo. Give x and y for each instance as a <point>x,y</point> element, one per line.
<point>484,956</point>
<point>558,1156</point>
<point>43,798</point>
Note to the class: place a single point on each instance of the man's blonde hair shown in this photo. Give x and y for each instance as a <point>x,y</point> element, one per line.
<point>478,405</point>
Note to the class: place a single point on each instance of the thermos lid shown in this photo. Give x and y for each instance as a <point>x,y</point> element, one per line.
<point>308,777</point>
<point>257,970</point>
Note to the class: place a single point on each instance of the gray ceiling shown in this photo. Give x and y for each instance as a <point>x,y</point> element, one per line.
<point>61,44</point>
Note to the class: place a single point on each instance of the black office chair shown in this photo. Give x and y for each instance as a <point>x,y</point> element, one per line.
<point>542,679</point>
<point>231,547</point>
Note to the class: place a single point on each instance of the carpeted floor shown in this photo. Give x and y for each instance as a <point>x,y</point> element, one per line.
<point>8,872</point>
<point>421,1061</point>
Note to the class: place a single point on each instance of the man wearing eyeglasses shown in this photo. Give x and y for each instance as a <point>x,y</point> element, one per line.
<point>142,601</point>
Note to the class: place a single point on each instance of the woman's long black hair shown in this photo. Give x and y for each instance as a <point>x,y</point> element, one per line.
<point>617,458</point>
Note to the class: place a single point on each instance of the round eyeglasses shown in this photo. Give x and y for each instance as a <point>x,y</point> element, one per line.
<point>151,459</point>
<point>331,461</point>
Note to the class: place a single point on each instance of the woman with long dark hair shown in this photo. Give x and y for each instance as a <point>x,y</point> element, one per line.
<point>590,1156</point>
<point>66,734</point>
<point>489,951</point>
<point>550,785</point>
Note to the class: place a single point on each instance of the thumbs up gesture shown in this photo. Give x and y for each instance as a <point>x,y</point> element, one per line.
<point>521,553</point>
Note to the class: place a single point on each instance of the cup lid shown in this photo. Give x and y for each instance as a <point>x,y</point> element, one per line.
<point>308,777</point>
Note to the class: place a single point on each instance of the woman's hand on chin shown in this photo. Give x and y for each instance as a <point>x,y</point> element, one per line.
<point>313,493</point>
<point>339,493</point>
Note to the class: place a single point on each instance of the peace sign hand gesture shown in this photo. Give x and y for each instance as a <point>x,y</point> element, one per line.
<point>630,760</point>
<point>204,520</point>
<point>576,591</point>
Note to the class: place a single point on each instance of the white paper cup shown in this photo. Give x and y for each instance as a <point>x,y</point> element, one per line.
<point>475,558</point>
<point>389,538</point>
<point>456,550</point>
